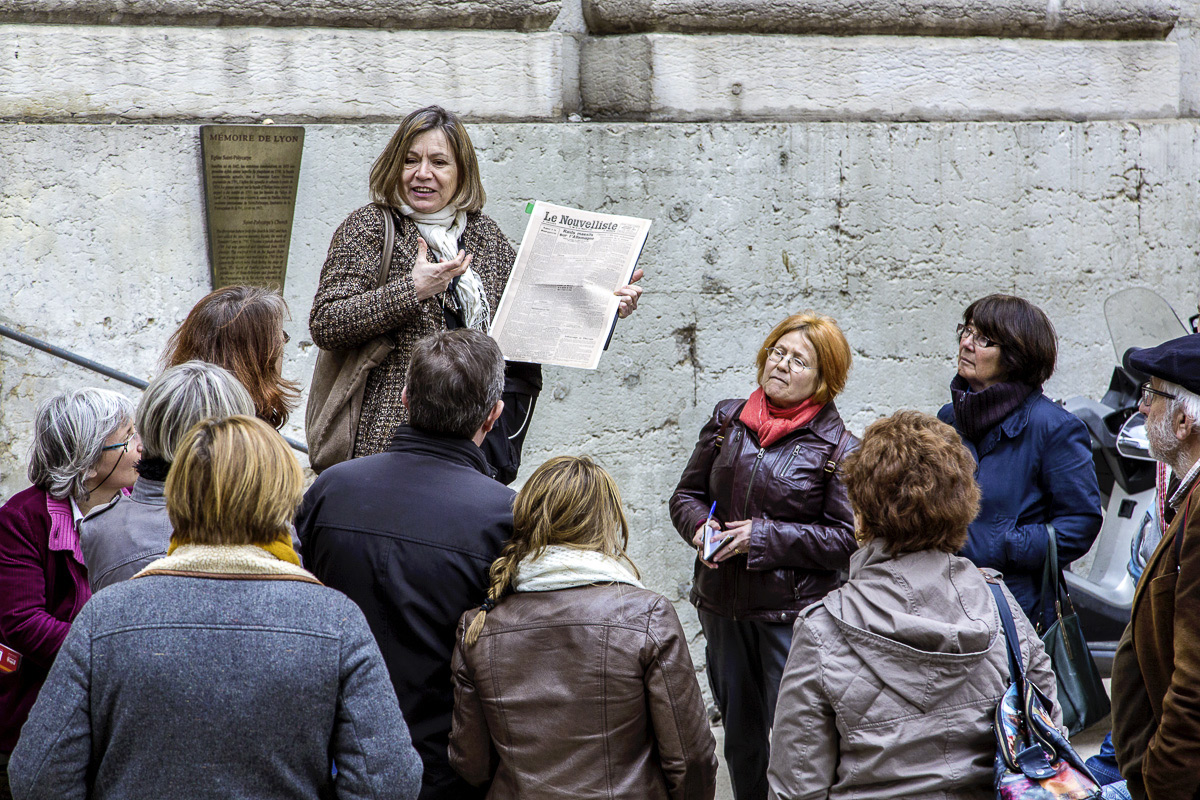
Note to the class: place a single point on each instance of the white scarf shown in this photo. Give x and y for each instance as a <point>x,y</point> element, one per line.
<point>441,230</point>
<point>561,567</point>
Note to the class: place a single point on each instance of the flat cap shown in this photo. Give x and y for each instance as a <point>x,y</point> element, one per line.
<point>1177,361</point>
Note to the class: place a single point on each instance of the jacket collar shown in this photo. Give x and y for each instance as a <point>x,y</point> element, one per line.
<point>1015,422</point>
<point>246,562</point>
<point>149,492</point>
<point>457,451</point>
<point>63,534</point>
<point>827,424</point>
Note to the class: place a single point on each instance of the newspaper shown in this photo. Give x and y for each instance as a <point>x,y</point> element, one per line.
<point>559,307</point>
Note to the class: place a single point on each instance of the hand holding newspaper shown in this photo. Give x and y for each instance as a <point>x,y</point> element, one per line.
<point>559,306</point>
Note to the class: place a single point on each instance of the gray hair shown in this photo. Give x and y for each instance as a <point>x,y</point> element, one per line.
<point>1184,400</point>
<point>182,396</point>
<point>454,379</point>
<point>68,433</point>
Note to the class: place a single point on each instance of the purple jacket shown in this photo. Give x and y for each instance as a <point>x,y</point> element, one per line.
<point>43,585</point>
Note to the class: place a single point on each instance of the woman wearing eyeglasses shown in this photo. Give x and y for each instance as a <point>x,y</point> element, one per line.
<point>1035,459</point>
<point>764,481</point>
<point>83,453</point>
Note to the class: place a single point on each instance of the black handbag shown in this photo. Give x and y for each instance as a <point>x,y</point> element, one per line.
<point>1080,689</point>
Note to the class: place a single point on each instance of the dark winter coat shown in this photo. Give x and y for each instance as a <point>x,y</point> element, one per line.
<point>409,535</point>
<point>1034,470</point>
<point>803,530</point>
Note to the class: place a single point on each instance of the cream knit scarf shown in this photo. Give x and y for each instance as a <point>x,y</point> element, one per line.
<point>441,230</point>
<point>560,567</point>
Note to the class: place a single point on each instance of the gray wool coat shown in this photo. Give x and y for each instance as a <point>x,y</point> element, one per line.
<point>216,687</point>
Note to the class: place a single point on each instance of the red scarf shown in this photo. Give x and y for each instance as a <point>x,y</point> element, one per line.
<point>772,423</point>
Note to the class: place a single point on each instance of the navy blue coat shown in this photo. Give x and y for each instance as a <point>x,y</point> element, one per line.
<point>1034,469</point>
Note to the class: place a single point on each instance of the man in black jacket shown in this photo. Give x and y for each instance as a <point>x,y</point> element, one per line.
<point>409,533</point>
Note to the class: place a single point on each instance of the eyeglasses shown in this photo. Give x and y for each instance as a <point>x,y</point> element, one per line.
<point>1147,392</point>
<point>794,364</point>
<point>120,445</point>
<point>967,332</point>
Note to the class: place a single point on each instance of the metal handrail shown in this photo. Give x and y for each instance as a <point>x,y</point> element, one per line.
<point>96,366</point>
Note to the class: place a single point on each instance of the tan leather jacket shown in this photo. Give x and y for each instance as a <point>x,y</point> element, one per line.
<point>584,692</point>
<point>892,682</point>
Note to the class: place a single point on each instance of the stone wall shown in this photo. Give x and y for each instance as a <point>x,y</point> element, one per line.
<point>930,153</point>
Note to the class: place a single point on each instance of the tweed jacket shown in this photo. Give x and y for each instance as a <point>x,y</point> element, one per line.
<point>1156,671</point>
<point>43,585</point>
<point>614,711</point>
<point>206,684</point>
<point>125,537</point>
<point>349,309</point>
<point>892,682</point>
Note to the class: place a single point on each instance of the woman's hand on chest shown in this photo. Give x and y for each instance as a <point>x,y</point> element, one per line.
<point>433,277</point>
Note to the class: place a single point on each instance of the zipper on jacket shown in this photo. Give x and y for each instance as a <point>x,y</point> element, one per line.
<point>753,474</point>
<point>791,458</point>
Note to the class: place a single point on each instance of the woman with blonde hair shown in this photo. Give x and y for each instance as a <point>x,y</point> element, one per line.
<point>764,485</point>
<point>224,669</point>
<point>572,679</point>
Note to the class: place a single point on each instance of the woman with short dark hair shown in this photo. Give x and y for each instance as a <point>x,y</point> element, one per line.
<point>224,669</point>
<point>450,264</point>
<point>893,679</point>
<point>1035,460</point>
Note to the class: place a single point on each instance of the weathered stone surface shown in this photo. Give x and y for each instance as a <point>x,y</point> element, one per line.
<point>891,228</point>
<point>80,73</point>
<point>744,77</point>
<point>1087,19</point>
<point>402,14</point>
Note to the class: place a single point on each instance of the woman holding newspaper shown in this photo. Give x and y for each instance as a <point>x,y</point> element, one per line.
<point>762,501</point>
<point>449,266</point>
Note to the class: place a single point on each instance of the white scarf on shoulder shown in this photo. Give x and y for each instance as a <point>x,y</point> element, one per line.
<point>441,230</point>
<point>561,567</point>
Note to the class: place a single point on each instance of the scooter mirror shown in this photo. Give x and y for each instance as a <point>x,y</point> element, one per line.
<point>1132,441</point>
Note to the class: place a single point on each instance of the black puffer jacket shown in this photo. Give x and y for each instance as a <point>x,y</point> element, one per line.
<point>803,529</point>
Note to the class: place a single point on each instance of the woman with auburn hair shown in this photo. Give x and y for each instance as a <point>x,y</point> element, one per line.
<point>279,676</point>
<point>893,679</point>
<point>1035,458</point>
<point>616,711</point>
<point>450,263</point>
<point>240,328</point>
<point>764,483</point>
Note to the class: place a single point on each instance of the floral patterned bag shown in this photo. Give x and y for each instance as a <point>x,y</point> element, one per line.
<point>1034,761</point>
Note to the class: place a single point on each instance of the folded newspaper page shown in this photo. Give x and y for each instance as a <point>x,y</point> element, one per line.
<point>559,306</point>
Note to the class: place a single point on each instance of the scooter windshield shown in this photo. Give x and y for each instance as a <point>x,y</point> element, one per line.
<point>1139,317</point>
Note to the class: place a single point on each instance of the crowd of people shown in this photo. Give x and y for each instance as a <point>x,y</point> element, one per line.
<point>180,617</point>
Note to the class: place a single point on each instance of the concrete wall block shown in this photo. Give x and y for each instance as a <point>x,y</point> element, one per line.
<point>1094,19</point>
<point>891,228</point>
<point>406,14</point>
<point>91,73</point>
<point>742,77</point>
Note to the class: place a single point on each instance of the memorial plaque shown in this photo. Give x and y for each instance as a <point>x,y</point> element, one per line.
<point>250,177</point>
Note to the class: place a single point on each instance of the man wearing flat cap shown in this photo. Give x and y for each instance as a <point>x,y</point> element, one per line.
<point>1156,672</point>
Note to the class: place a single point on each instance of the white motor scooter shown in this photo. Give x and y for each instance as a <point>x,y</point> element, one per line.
<point>1101,583</point>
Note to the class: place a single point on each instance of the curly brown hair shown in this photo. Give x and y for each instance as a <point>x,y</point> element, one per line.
<point>240,328</point>
<point>912,484</point>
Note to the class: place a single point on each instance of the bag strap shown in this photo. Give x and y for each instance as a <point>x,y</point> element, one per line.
<point>1015,664</point>
<point>725,426</point>
<point>839,452</point>
<point>389,241</point>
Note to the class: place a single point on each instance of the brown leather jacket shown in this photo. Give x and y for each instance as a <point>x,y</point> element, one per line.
<point>1156,710</point>
<point>803,529</point>
<point>583,692</point>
